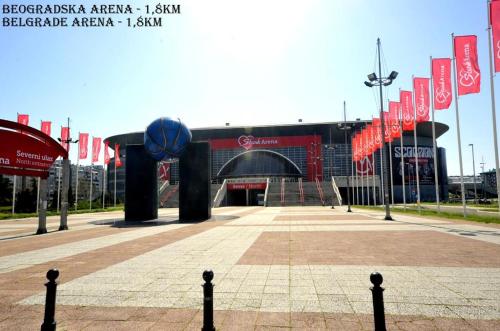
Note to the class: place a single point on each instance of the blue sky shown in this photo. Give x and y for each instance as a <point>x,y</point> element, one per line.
<point>246,63</point>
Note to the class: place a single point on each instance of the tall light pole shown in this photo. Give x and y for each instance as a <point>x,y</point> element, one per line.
<point>347,128</point>
<point>474,173</point>
<point>382,81</point>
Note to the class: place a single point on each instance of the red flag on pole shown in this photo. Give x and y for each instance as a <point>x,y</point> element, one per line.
<point>394,119</point>
<point>387,127</point>
<point>23,119</point>
<point>407,105</point>
<point>65,137</point>
<point>422,100</point>
<point>96,149</point>
<point>441,77</point>
<point>495,31</point>
<point>106,152</point>
<point>45,127</point>
<point>83,143</point>
<point>378,130</point>
<point>118,162</point>
<point>467,67</point>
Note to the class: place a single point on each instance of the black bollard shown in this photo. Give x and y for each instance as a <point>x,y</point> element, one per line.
<point>49,323</point>
<point>208,301</point>
<point>378,301</point>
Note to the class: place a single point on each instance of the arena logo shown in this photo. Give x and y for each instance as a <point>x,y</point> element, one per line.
<point>4,160</point>
<point>364,167</point>
<point>468,75</point>
<point>423,152</point>
<point>247,142</point>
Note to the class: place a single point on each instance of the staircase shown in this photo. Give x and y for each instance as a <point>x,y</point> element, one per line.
<point>274,194</point>
<point>170,197</point>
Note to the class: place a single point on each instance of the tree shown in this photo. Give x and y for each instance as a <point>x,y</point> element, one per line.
<point>5,191</point>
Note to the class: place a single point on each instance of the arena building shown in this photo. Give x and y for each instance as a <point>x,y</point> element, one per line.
<point>289,164</point>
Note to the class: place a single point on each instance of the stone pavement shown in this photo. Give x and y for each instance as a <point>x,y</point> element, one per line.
<point>275,268</point>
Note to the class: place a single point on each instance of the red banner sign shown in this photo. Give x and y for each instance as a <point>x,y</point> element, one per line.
<point>96,149</point>
<point>83,143</point>
<point>467,67</point>
<point>118,162</point>
<point>246,186</point>
<point>165,171</point>
<point>422,100</point>
<point>23,119</point>
<point>394,119</point>
<point>106,152</point>
<point>45,127</point>
<point>441,79</point>
<point>364,167</point>
<point>495,31</point>
<point>407,110</point>
<point>65,137</point>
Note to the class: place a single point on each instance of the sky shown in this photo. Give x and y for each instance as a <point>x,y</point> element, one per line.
<point>246,63</point>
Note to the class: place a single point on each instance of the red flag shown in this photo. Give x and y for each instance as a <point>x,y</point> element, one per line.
<point>106,152</point>
<point>378,130</point>
<point>65,137</point>
<point>96,149</point>
<point>45,127</point>
<point>422,100</point>
<point>369,133</point>
<point>387,128</point>
<point>394,119</point>
<point>83,143</point>
<point>495,31</point>
<point>118,162</point>
<point>23,119</point>
<point>407,112</point>
<point>467,67</point>
<point>441,78</point>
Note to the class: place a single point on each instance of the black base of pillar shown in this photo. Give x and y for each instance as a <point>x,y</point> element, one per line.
<point>63,227</point>
<point>42,230</point>
<point>194,188</point>
<point>141,185</point>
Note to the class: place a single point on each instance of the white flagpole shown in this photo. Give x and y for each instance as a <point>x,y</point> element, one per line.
<point>114,194</point>
<point>103,185</point>
<point>416,144</point>
<point>90,196</point>
<point>58,186</point>
<point>77,168</point>
<point>382,193</point>
<point>14,195</point>
<point>390,168</point>
<point>352,172</point>
<point>493,107</point>
<point>462,187</point>
<point>401,153</point>
<point>374,193</point>
<point>436,179</point>
<point>362,188</point>
<point>368,181</point>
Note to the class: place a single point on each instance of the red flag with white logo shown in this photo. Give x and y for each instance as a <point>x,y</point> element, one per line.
<point>441,79</point>
<point>467,66</point>
<point>378,130</point>
<point>387,127</point>
<point>23,119</point>
<point>96,149</point>
<point>83,143</point>
<point>495,31</point>
<point>106,152</point>
<point>394,119</point>
<point>405,98</point>
<point>65,137</point>
<point>118,162</point>
<point>422,100</point>
<point>45,127</point>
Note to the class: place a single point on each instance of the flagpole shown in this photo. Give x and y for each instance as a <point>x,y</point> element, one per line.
<point>368,181</point>
<point>415,141</point>
<point>37,194</point>
<point>401,152</point>
<point>390,168</point>
<point>436,179</point>
<point>90,197</point>
<point>362,188</point>
<point>58,186</point>
<point>352,172</point>
<point>114,193</point>
<point>374,193</point>
<point>103,186</point>
<point>76,185</point>
<point>493,106</point>
<point>458,125</point>
<point>14,195</point>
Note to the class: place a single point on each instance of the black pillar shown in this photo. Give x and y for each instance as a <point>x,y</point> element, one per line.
<point>141,185</point>
<point>194,190</point>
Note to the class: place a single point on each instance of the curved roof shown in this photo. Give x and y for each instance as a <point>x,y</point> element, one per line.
<point>259,163</point>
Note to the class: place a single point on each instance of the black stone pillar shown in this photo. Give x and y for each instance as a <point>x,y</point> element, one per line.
<point>141,185</point>
<point>194,188</point>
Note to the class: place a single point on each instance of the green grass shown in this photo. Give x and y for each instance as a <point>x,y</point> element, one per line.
<point>443,214</point>
<point>8,215</point>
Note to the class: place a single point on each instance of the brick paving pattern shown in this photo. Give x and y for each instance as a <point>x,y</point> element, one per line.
<point>303,268</point>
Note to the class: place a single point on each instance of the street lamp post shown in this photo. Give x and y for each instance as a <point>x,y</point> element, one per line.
<point>474,173</point>
<point>382,81</point>
<point>347,128</point>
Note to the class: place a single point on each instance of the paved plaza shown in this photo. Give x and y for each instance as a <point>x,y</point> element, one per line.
<point>304,268</point>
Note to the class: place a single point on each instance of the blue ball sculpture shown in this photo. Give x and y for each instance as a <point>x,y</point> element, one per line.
<point>166,138</point>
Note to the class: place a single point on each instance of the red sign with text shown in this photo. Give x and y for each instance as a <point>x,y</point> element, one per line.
<point>246,186</point>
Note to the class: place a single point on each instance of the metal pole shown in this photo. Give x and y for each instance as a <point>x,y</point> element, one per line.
<point>474,173</point>
<point>42,215</point>
<point>436,179</point>
<point>386,193</point>
<point>103,186</point>
<point>114,198</point>
<point>374,193</point>
<point>65,188</point>
<point>14,195</point>
<point>362,189</point>
<point>462,187</point>
<point>402,154</point>
<point>368,182</point>
<point>58,187</point>
<point>347,162</point>
<point>493,108</point>
<point>381,177</point>
<point>90,195</point>
<point>390,168</point>
<point>77,168</point>
<point>352,173</point>
<point>416,145</point>
<point>37,194</point>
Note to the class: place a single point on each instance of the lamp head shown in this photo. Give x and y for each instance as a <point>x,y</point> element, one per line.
<point>393,75</point>
<point>372,77</point>
<point>368,84</point>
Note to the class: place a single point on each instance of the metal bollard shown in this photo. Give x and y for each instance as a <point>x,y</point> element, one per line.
<point>49,323</point>
<point>378,301</point>
<point>208,301</point>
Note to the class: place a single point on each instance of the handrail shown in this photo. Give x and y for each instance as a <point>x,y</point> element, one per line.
<point>336,191</point>
<point>301,191</point>
<point>266,191</point>
<point>221,193</point>
<point>282,191</point>
<point>170,193</point>
<point>320,191</point>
